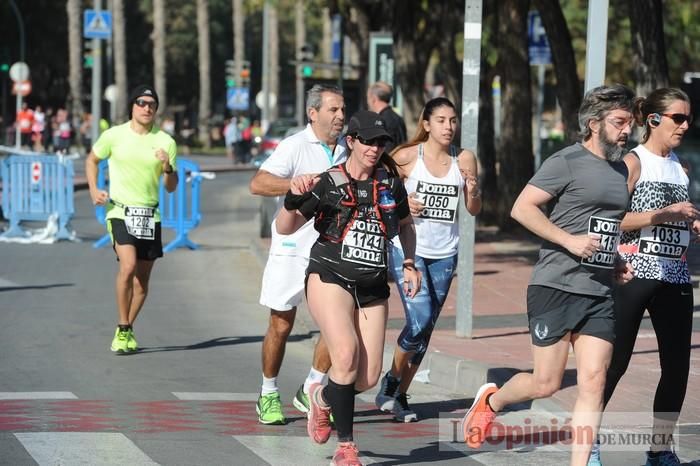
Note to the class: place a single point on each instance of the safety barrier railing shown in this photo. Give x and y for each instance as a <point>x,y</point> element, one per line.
<point>179,210</point>
<point>33,188</point>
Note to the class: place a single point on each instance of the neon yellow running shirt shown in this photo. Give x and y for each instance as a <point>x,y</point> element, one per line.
<point>134,170</point>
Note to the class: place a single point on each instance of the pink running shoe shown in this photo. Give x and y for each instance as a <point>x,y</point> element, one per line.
<point>318,423</point>
<point>346,455</point>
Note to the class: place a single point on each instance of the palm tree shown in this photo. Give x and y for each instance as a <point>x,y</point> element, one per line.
<point>204,72</point>
<point>159,66</point>
<point>274,59</point>
<point>238,45</point>
<point>75,64</point>
<point>120,61</point>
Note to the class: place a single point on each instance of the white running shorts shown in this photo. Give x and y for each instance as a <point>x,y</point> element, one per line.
<point>283,282</point>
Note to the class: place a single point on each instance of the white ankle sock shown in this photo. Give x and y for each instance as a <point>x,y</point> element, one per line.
<point>314,377</point>
<point>269,385</point>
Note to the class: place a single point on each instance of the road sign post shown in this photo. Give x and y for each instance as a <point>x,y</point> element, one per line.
<point>471,70</point>
<point>19,72</point>
<point>97,25</point>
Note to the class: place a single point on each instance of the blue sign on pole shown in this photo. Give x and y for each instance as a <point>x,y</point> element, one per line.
<point>238,98</point>
<point>336,38</point>
<point>97,24</point>
<point>538,46</point>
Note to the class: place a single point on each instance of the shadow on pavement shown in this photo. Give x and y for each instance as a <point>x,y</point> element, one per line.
<point>34,287</point>
<point>221,341</point>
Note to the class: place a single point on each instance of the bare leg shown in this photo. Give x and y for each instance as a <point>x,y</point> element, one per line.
<point>322,359</point>
<point>592,360</point>
<point>140,288</point>
<point>275,341</point>
<point>125,280</point>
<point>549,364</point>
<point>370,325</point>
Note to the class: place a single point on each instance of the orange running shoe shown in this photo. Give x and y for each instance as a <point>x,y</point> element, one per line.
<point>346,455</point>
<point>477,422</point>
<point>318,423</point>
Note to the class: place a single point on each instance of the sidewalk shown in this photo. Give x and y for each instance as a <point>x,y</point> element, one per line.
<point>501,343</point>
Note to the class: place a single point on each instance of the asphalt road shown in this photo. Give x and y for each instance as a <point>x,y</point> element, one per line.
<point>187,397</point>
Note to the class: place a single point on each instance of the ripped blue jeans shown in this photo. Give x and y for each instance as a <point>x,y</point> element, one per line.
<point>422,310</point>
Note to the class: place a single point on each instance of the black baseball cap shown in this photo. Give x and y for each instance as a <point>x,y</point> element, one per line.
<point>367,125</point>
<point>143,90</point>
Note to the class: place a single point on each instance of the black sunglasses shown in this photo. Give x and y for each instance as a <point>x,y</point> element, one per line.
<point>379,142</point>
<point>152,104</point>
<point>679,118</point>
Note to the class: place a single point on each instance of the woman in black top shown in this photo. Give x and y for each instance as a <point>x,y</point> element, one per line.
<point>358,206</point>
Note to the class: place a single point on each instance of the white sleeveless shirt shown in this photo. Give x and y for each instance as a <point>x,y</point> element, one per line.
<point>437,229</point>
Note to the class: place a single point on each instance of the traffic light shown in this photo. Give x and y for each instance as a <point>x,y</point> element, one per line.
<point>230,73</point>
<point>4,67</point>
<point>306,56</point>
<point>245,74</point>
<point>5,60</point>
<point>88,57</point>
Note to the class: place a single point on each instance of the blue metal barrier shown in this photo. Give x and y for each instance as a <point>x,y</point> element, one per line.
<point>179,210</point>
<point>33,188</point>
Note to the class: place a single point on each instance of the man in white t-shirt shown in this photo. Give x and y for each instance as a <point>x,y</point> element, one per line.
<point>311,151</point>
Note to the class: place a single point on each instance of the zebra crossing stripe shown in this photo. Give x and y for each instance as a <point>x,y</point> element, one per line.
<point>215,396</point>
<point>107,449</point>
<point>292,450</point>
<point>37,396</point>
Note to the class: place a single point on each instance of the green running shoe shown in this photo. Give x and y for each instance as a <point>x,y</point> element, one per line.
<point>301,400</point>
<point>269,409</point>
<point>131,343</point>
<point>120,340</point>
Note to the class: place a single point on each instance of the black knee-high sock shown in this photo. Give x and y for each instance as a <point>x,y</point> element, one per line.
<point>341,399</point>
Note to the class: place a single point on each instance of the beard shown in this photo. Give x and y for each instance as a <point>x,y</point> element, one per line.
<point>612,150</point>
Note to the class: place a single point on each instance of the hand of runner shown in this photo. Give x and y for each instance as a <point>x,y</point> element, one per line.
<point>681,211</point>
<point>164,158</point>
<point>623,272</point>
<point>695,230</point>
<point>471,181</point>
<point>99,197</point>
<point>583,245</point>
<point>415,205</point>
<point>303,183</point>
<point>411,281</point>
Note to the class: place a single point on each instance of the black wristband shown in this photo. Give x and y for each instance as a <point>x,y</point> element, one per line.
<point>294,201</point>
<point>409,265</point>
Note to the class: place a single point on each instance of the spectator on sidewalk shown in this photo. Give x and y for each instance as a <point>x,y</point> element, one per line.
<point>25,123</point>
<point>379,97</point>
<point>435,173</point>
<point>138,153</point>
<point>656,232</point>
<point>357,206</point>
<point>311,151</point>
<point>569,299</point>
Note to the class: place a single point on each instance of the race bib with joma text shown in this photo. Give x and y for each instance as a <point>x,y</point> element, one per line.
<point>608,230</point>
<point>364,244</point>
<point>140,222</point>
<point>441,201</point>
<point>667,241</point>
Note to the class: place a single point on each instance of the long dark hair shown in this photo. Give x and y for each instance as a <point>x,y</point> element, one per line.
<point>421,135</point>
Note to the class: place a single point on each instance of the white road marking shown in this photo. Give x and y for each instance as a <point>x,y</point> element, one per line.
<point>80,448</point>
<point>215,396</point>
<point>282,450</point>
<point>37,396</point>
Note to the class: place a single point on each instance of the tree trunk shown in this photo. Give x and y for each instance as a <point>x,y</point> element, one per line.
<point>159,63</point>
<point>204,72</point>
<point>238,31</point>
<point>514,154</point>
<point>75,61</point>
<point>649,51</point>
<point>274,61</point>
<point>568,86</point>
<point>120,79</point>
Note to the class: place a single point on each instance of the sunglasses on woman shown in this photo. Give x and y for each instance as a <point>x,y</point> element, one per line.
<point>379,142</point>
<point>679,118</point>
<point>152,104</point>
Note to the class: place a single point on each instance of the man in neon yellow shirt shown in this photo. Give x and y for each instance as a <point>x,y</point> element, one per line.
<point>139,153</point>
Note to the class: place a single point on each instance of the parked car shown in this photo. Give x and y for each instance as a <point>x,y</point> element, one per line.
<point>277,131</point>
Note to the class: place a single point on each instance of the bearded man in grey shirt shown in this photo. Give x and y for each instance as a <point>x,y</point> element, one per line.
<point>569,300</point>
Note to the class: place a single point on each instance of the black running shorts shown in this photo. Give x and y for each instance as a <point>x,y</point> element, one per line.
<point>552,313</point>
<point>364,295</point>
<point>146,249</point>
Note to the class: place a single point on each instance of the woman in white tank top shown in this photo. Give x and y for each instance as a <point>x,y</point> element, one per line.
<point>435,173</point>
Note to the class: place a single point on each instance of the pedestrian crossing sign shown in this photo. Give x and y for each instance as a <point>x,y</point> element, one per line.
<point>97,24</point>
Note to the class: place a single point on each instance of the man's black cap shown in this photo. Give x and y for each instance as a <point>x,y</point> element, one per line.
<point>144,90</point>
<point>367,125</point>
